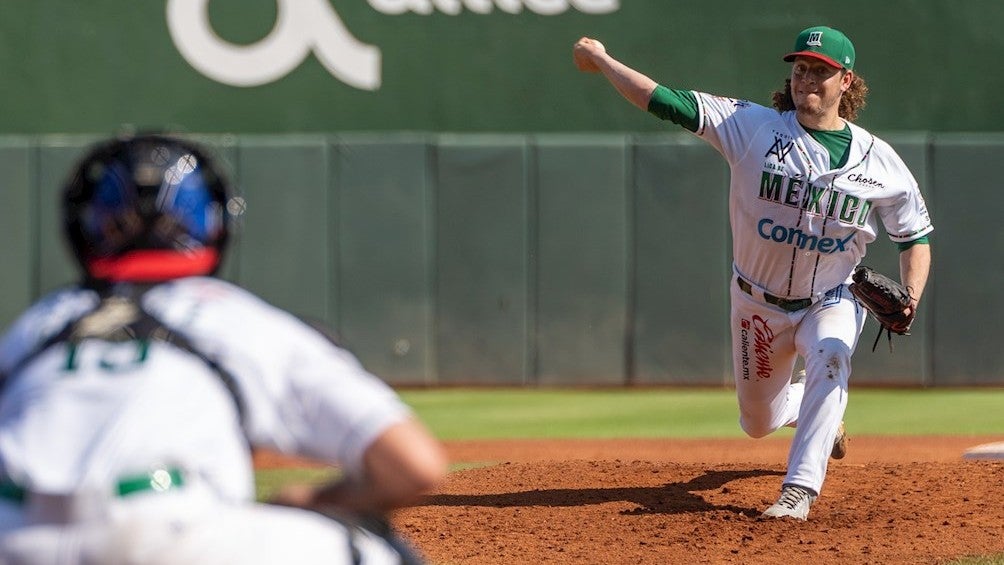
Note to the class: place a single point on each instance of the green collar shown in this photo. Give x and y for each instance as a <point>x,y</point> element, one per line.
<point>836,142</point>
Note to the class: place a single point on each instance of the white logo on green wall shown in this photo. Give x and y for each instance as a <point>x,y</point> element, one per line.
<point>303,27</point>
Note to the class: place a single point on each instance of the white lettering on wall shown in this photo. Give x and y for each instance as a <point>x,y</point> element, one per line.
<point>454,7</point>
<point>301,27</point>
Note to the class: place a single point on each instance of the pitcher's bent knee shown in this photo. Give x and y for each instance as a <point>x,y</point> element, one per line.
<point>755,429</point>
<point>831,359</point>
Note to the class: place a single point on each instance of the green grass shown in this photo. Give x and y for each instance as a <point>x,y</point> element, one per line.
<point>684,413</point>
<point>988,560</point>
<point>533,413</point>
<point>268,481</point>
<point>927,412</point>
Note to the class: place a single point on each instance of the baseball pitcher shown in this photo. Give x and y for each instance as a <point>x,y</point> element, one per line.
<point>808,191</point>
<point>129,403</point>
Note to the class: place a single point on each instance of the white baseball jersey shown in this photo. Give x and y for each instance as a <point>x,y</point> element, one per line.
<point>77,419</point>
<point>799,225</point>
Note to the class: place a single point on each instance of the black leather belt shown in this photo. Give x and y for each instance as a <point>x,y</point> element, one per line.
<point>789,304</point>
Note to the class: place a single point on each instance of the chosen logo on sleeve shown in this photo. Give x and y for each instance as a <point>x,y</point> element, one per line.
<point>862,180</point>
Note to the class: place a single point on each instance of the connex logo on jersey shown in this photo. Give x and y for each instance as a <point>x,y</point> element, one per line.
<point>800,239</point>
<point>303,27</point>
<point>763,336</point>
<point>780,149</point>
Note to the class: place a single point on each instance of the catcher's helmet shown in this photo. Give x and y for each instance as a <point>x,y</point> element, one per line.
<point>146,208</point>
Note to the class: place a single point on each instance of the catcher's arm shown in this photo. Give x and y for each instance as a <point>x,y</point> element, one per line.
<point>402,463</point>
<point>914,268</point>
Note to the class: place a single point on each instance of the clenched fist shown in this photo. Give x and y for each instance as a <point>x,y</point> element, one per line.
<point>584,54</point>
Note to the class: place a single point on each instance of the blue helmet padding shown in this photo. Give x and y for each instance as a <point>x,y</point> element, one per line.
<point>149,192</point>
<point>186,196</point>
<point>183,194</point>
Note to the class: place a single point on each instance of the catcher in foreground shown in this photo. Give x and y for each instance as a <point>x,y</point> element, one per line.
<point>129,401</point>
<point>808,192</point>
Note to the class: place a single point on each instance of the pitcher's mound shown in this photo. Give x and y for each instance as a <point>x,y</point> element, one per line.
<point>985,451</point>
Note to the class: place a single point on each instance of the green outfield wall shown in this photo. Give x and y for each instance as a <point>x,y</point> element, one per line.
<point>281,66</point>
<point>532,259</point>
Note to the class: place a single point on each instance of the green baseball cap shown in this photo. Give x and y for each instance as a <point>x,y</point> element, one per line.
<point>826,44</point>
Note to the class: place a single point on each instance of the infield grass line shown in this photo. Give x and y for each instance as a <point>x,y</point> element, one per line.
<point>458,414</point>
<point>987,560</point>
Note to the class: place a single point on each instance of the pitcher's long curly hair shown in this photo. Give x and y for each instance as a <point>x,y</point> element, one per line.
<point>852,101</point>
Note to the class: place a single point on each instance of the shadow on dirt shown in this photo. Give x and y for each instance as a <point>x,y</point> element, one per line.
<point>671,498</point>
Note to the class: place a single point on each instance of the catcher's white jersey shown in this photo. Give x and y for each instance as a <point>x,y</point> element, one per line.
<point>76,420</point>
<point>800,226</point>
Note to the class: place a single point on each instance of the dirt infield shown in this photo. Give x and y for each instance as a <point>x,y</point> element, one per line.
<point>655,501</point>
<point>907,500</point>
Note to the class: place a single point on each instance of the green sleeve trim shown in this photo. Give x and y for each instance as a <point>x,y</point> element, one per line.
<point>677,106</point>
<point>908,244</point>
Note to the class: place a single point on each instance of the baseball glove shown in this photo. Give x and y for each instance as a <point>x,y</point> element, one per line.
<point>885,299</point>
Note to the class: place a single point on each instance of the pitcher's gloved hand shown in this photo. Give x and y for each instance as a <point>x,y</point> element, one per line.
<point>888,301</point>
